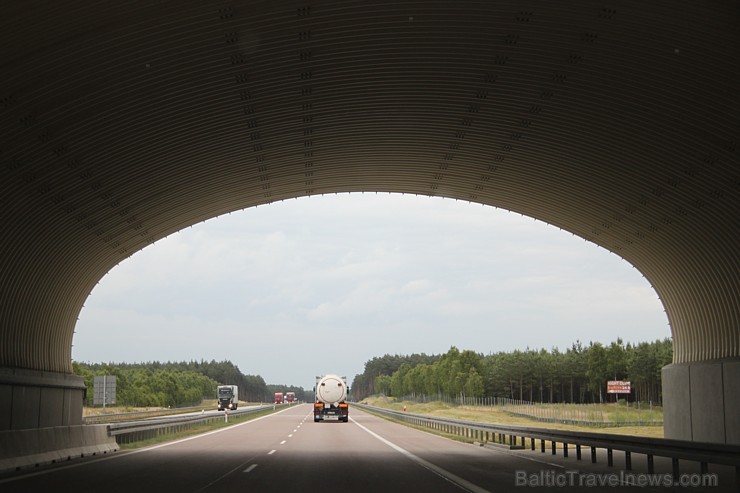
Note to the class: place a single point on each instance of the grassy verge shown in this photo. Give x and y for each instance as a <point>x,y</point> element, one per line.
<point>98,411</point>
<point>197,429</point>
<point>498,415</point>
<point>417,427</point>
<point>209,404</point>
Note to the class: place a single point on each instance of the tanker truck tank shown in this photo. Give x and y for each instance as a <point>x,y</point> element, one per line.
<point>331,396</point>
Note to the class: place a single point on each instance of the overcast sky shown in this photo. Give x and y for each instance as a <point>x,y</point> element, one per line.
<point>322,284</point>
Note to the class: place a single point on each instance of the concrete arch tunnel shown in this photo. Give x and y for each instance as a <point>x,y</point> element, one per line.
<point>123,122</point>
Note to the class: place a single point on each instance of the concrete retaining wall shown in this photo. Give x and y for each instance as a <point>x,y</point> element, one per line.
<point>32,447</point>
<point>701,401</point>
<point>38,399</point>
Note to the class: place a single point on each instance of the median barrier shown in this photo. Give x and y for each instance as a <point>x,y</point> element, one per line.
<point>33,447</point>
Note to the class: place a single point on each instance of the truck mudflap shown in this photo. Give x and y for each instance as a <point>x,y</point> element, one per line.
<point>331,413</point>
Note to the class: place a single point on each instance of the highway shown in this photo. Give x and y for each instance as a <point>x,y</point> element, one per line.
<point>287,450</point>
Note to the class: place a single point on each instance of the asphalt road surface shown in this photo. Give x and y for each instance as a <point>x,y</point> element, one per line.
<point>288,451</point>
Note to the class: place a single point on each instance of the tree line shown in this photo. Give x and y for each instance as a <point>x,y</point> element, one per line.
<point>577,375</point>
<point>173,384</point>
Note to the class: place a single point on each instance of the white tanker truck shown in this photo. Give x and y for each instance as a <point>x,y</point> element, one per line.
<point>330,401</point>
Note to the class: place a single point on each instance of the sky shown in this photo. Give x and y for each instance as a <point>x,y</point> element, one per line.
<point>323,284</point>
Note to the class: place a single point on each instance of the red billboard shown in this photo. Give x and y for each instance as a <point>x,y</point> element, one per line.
<point>618,387</point>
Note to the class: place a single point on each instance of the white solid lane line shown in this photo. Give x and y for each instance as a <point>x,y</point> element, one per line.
<point>443,473</point>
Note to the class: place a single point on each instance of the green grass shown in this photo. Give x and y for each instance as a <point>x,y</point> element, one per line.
<point>499,415</point>
<point>612,414</point>
<point>417,427</point>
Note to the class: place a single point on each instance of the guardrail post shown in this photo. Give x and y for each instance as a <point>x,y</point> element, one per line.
<point>554,447</point>
<point>565,449</point>
<point>628,460</point>
<point>593,455</point>
<point>542,445</point>
<point>531,440</point>
<point>674,463</point>
<point>704,467</point>
<point>651,464</point>
<point>609,457</point>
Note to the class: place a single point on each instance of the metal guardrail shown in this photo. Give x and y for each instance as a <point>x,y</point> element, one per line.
<point>702,452</point>
<point>134,431</point>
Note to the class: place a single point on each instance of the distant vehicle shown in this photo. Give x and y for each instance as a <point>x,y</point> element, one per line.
<point>331,399</point>
<point>290,397</point>
<point>278,397</point>
<point>228,397</point>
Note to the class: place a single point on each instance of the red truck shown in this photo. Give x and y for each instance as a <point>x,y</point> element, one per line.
<point>290,397</point>
<point>278,397</point>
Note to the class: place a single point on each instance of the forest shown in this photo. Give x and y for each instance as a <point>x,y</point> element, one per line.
<point>174,384</point>
<point>577,375</point>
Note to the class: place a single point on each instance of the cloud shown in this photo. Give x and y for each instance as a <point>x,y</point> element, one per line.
<point>270,288</point>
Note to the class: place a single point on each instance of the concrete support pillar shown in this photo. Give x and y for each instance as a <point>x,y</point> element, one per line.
<point>39,399</point>
<point>701,401</point>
